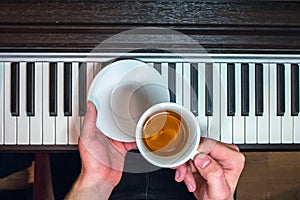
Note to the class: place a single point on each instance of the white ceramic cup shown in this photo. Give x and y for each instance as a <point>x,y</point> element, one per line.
<point>183,150</point>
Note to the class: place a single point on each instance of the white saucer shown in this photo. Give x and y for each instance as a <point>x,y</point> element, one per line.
<point>121,92</point>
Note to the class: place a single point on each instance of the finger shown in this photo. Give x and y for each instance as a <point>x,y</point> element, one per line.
<point>180,172</point>
<point>207,144</point>
<point>189,180</point>
<point>89,123</point>
<point>130,145</point>
<point>91,114</point>
<point>213,173</point>
<point>192,166</point>
<point>232,146</point>
<point>227,156</point>
<point>123,146</point>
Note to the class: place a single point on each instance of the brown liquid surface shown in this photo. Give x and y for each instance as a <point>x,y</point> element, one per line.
<point>164,133</point>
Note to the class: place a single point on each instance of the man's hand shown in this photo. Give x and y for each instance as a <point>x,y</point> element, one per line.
<point>213,176</point>
<point>102,161</point>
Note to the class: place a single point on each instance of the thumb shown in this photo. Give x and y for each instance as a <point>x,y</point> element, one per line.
<point>89,121</point>
<point>213,173</point>
<point>91,114</point>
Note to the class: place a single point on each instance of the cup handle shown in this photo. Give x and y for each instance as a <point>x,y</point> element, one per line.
<point>194,154</point>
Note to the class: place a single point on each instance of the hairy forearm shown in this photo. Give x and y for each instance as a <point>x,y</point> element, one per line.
<point>85,188</point>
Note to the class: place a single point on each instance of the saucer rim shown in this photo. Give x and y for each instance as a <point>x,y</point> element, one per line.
<point>125,65</point>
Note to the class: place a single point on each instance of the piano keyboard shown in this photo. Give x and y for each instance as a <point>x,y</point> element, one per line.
<point>240,99</point>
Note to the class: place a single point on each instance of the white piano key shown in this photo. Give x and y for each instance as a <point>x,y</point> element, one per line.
<point>250,121</point>
<point>89,79</point>
<point>74,120</point>
<point>296,131</point>
<point>263,133</point>
<point>287,119</point>
<point>90,75</point>
<point>22,120</point>
<point>61,120</point>
<point>186,85</point>
<point>238,120</point>
<point>275,121</point>
<point>179,81</point>
<point>214,128</point>
<point>1,102</point>
<point>36,121</point>
<point>48,121</point>
<point>164,71</point>
<point>97,68</point>
<point>10,122</point>
<point>203,121</point>
<point>226,121</point>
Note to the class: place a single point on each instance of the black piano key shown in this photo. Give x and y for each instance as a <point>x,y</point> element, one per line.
<point>30,88</point>
<point>172,81</point>
<point>67,89</point>
<point>245,89</point>
<point>259,90</point>
<point>194,88</point>
<point>157,66</point>
<point>280,90</point>
<point>82,88</point>
<point>294,90</point>
<point>53,89</point>
<point>15,89</point>
<point>209,89</point>
<point>230,89</point>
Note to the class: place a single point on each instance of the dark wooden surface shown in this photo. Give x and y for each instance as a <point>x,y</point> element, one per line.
<point>219,26</point>
<point>38,148</point>
<point>218,12</point>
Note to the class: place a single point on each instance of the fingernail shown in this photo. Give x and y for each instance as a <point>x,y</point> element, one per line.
<point>190,187</point>
<point>203,162</point>
<point>177,174</point>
